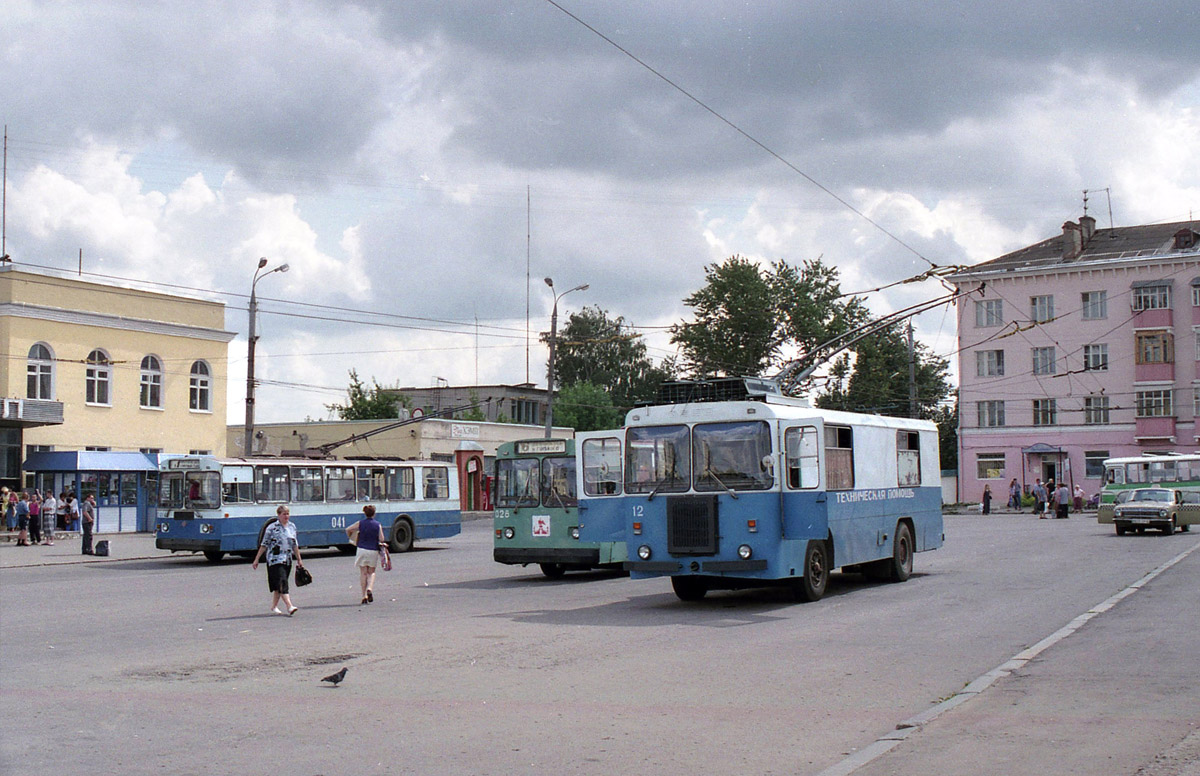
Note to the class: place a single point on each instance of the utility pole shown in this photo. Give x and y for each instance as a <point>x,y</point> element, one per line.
<point>912,373</point>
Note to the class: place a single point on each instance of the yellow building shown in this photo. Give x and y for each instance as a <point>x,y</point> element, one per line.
<point>135,371</point>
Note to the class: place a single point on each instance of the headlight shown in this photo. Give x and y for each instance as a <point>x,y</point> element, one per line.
<point>644,552</point>
<point>1162,513</point>
<point>509,533</point>
<point>163,527</point>
<point>744,552</point>
<point>206,528</point>
<point>574,532</point>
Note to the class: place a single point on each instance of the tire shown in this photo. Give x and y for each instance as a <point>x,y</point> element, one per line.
<point>901,566</point>
<point>811,585</point>
<point>214,556</point>
<point>689,588</point>
<point>347,549</point>
<point>1121,530</point>
<point>553,570</point>
<point>1169,528</point>
<point>402,535</point>
<point>1185,527</point>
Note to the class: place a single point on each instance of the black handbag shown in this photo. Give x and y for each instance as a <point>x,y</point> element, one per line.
<point>303,577</point>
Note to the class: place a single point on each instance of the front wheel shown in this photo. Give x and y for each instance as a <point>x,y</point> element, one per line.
<point>1121,530</point>
<point>811,586</point>
<point>402,536</point>
<point>553,570</point>
<point>1169,528</point>
<point>689,588</point>
<point>214,556</point>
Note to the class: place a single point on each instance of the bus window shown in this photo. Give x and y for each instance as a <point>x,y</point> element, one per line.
<point>517,482</point>
<point>437,483</point>
<point>339,483</point>
<point>271,483</point>
<point>237,484</point>
<point>908,458</point>
<point>170,491</point>
<point>370,483</point>
<point>1115,475</point>
<point>730,456</point>
<point>803,457</point>
<point>400,484</point>
<point>657,459</point>
<point>839,458</point>
<point>307,485</point>
<point>601,467</point>
<point>558,482</point>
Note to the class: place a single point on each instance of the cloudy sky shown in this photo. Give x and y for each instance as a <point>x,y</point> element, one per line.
<point>393,154</point>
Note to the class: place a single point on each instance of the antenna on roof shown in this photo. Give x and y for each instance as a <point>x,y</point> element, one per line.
<point>1108,193</point>
<point>1085,193</point>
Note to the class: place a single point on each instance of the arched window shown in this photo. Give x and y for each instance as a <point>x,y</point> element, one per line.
<point>200,388</point>
<point>152,376</point>
<point>99,378</point>
<point>40,370</point>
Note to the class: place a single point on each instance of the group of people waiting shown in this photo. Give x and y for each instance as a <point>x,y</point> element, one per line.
<point>36,517</point>
<point>1046,498</point>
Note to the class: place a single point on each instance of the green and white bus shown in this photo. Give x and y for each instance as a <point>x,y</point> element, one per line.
<point>1123,475</point>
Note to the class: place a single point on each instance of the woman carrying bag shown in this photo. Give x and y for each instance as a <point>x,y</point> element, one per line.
<point>367,535</point>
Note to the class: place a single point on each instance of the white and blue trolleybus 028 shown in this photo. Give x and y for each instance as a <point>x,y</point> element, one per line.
<point>760,489</point>
<point>214,505</point>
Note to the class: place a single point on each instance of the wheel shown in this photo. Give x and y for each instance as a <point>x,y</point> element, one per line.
<point>347,549</point>
<point>1141,530</point>
<point>1121,530</point>
<point>811,586</point>
<point>214,556</point>
<point>1185,527</point>
<point>553,570</point>
<point>1169,528</point>
<point>900,568</point>
<point>402,535</point>
<point>689,588</point>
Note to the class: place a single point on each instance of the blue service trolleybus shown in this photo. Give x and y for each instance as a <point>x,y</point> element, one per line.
<point>730,484</point>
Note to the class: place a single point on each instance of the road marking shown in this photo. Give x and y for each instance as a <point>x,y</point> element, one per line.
<point>891,740</point>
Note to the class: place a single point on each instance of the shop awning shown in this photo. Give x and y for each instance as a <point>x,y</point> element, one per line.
<point>90,461</point>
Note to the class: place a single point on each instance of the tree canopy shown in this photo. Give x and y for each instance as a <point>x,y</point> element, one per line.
<point>594,348</point>
<point>366,403</point>
<point>585,407</point>
<point>878,380</point>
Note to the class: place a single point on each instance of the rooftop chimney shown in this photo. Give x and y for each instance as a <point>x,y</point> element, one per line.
<point>1088,225</point>
<point>1072,240</point>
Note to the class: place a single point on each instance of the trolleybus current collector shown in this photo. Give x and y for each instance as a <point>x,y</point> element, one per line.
<point>216,506</point>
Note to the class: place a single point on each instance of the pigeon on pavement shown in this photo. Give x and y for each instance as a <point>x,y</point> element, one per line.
<point>334,679</point>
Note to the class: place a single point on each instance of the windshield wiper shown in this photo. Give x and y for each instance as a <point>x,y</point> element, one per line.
<point>713,474</point>
<point>659,485</point>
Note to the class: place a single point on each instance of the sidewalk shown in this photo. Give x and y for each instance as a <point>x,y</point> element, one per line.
<point>67,546</point>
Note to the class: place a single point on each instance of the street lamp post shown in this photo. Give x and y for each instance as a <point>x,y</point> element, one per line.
<point>247,446</point>
<point>553,337</point>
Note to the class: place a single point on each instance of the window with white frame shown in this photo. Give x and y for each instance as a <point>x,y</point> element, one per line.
<point>1095,357</point>
<point>1041,308</point>
<point>1196,401</point>
<point>1093,463</point>
<point>1197,345</point>
<point>989,466</point>
<point>1154,404</point>
<point>40,373</point>
<point>1045,412</point>
<point>1151,298</point>
<point>200,388</point>
<point>98,382</point>
<point>151,383</point>
<point>1097,410</point>
<point>1043,361</point>
<point>991,413</point>
<point>1095,305</point>
<point>1155,347</point>
<point>989,363</point>
<point>1195,294</point>
<point>989,312</point>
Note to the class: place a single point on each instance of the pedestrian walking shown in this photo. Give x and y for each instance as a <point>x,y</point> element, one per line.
<point>22,510</point>
<point>367,535</point>
<point>1062,502</point>
<point>35,518</point>
<point>280,545</point>
<point>1039,498</point>
<point>1014,495</point>
<point>987,499</point>
<point>88,523</point>
<point>49,518</point>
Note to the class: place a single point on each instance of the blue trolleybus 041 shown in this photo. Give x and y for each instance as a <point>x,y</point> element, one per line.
<point>536,516</point>
<point>215,506</point>
<point>762,489</point>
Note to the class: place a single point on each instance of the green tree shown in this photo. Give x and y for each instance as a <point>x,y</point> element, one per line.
<point>367,403</point>
<point>878,380</point>
<point>946,418</point>
<point>585,407</point>
<point>746,316</point>
<point>594,348</point>
<point>475,414</point>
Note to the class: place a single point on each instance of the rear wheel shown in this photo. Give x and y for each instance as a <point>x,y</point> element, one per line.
<point>811,585</point>
<point>402,536</point>
<point>900,569</point>
<point>214,556</point>
<point>689,588</point>
<point>553,570</point>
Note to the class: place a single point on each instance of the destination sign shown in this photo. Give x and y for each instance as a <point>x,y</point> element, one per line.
<point>542,446</point>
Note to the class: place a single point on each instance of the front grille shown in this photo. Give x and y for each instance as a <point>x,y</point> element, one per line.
<point>692,525</point>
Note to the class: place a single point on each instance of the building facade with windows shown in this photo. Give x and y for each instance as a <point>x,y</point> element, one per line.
<point>135,372</point>
<point>1081,347</point>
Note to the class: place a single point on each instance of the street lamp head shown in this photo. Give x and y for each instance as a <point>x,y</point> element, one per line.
<point>584,287</point>
<point>284,267</point>
<point>549,282</point>
<point>262,262</point>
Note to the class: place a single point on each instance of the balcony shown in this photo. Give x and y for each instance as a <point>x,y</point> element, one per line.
<point>1147,373</point>
<point>1158,318</point>
<point>1155,430</point>
<point>27,413</point>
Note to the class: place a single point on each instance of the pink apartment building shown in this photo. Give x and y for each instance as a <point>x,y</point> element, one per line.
<point>1081,347</point>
